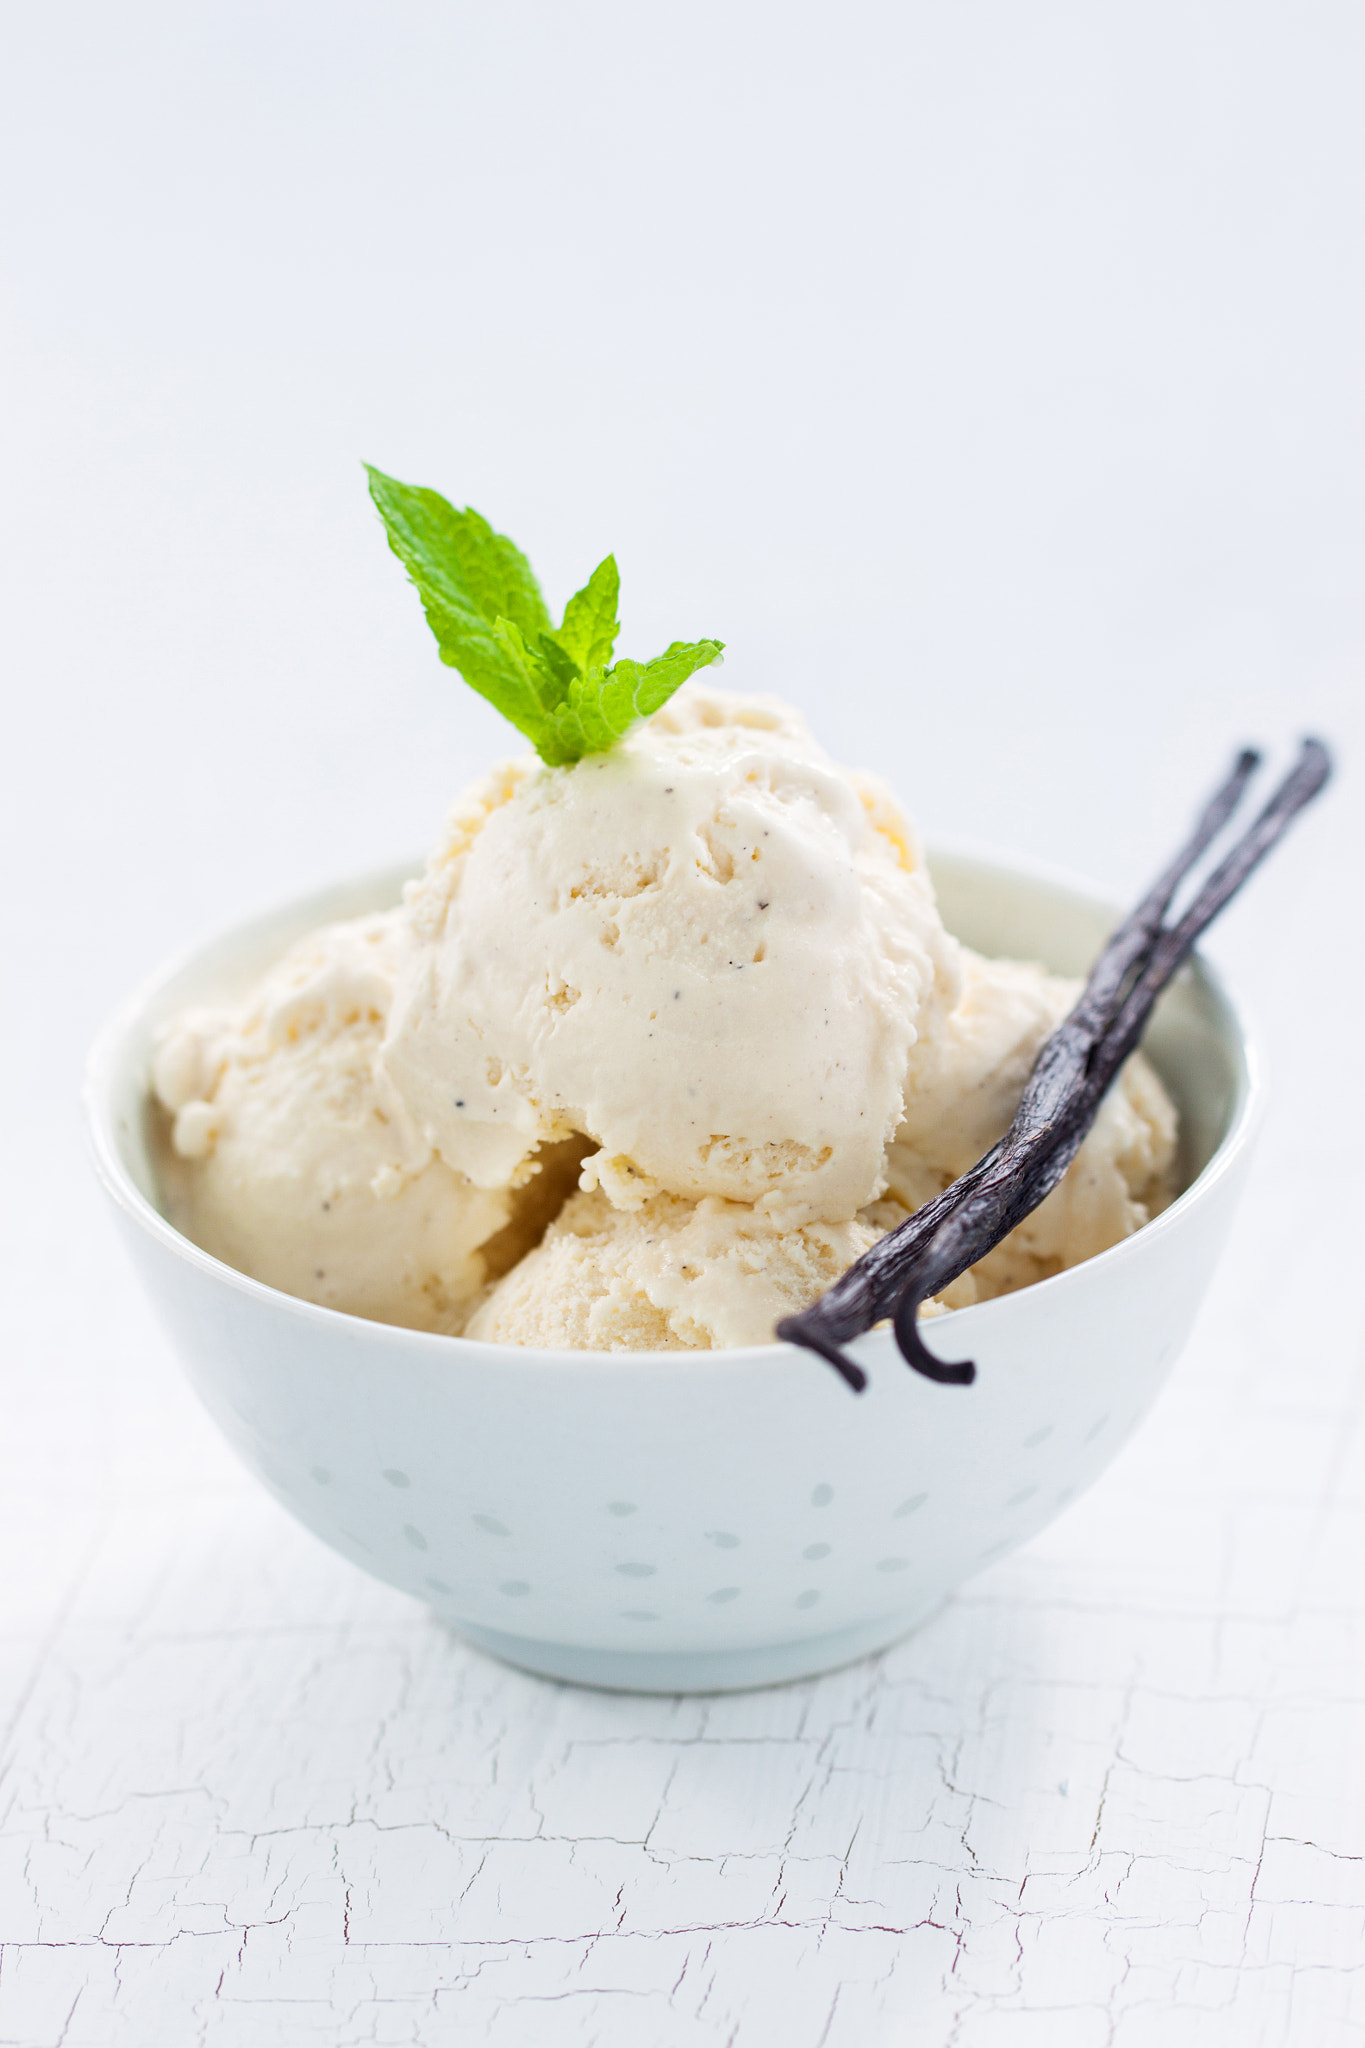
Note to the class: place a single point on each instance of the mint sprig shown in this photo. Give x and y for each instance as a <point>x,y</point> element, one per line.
<point>557,684</point>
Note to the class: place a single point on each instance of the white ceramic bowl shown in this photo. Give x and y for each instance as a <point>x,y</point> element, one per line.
<point>684,1521</point>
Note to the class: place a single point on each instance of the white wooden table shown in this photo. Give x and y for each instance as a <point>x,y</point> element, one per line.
<point>1074,528</point>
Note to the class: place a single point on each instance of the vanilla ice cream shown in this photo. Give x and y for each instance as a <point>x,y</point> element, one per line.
<point>667,1275</point>
<point>710,950</point>
<point>961,1091</point>
<point>672,1274</point>
<point>291,1158</point>
<point>701,979</point>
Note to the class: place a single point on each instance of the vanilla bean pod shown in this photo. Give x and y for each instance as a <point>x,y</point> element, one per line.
<point>870,1289</point>
<point>1070,1078</point>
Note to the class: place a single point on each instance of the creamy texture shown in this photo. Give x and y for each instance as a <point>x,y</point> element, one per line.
<point>710,950</point>
<point>674,1274</point>
<point>292,1159</point>
<point>962,1089</point>
<point>668,1275</point>
<point>701,978</point>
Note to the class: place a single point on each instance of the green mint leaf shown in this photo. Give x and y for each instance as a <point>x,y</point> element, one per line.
<point>456,557</point>
<point>605,703</point>
<point>484,605</point>
<point>590,626</point>
<point>478,593</point>
<point>561,666</point>
<point>530,691</point>
<point>580,725</point>
<point>491,663</point>
<point>634,689</point>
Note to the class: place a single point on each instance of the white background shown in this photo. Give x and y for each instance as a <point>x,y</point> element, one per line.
<point>987,376</point>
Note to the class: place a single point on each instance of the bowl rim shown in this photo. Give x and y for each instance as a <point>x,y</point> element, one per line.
<point>106,1062</point>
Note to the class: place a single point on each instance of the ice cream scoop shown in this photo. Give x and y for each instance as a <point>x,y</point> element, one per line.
<point>670,1275</point>
<point>290,1157</point>
<point>706,969</point>
<point>674,1274</point>
<point>963,1086</point>
<point>710,950</point>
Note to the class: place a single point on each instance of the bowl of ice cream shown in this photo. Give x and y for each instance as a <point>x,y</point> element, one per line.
<point>474,1199</point>
<point>696,1517</point>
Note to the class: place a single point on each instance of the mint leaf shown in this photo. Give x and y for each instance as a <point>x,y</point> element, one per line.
<point>537,691</point>
<point>484,605</point>
<point>605,703</point>
<point>478,592</point>
<point>458,556</point>
<point>590,626</point>
<point>579,726</point>
<point>564,670</point>
<point>636,689</point>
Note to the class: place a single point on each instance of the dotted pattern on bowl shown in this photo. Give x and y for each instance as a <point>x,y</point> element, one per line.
<point>806,1560</point>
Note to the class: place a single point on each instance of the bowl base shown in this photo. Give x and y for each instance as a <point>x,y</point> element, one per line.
<point>673,1671</point>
